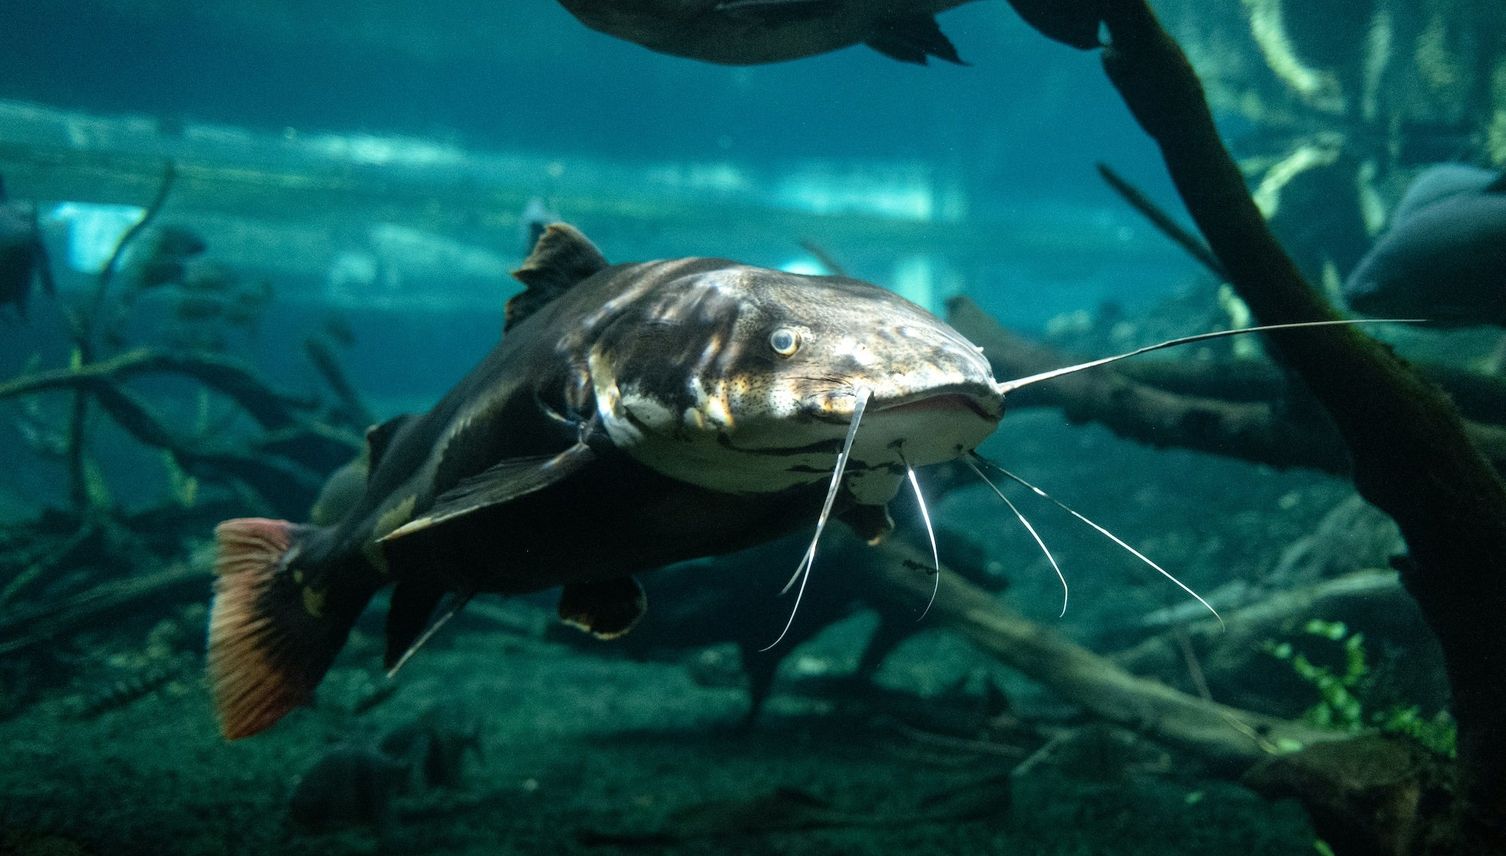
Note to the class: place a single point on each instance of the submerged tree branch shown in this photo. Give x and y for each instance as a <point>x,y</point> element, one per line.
<point>268,406</point>
<point>1412,456</point>
<point>1273,429</point>
<point>1227,737</point>
<point>84,325</point>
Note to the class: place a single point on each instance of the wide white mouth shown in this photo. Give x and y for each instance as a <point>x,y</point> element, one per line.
<point>938,403</point>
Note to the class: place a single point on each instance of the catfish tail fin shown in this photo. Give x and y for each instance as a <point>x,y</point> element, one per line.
<point>276,625</point>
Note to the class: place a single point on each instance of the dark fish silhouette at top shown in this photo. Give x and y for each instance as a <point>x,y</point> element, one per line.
<point>23,259</point>
<point>1444,257</point>
<point>751,32</point>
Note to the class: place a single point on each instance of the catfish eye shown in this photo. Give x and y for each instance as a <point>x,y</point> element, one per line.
<point>785,341</point>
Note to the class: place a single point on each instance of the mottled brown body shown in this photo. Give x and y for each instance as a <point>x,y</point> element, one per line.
<point>631,417</point>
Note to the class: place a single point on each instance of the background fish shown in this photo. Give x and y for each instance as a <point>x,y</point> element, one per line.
<point>23,259</point>
<point>1444,257</point>
<point>748,32</point>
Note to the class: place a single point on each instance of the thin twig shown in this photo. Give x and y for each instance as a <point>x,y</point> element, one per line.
<point>826,259</point>
<point>1163,221</point>
<point>84,325</point>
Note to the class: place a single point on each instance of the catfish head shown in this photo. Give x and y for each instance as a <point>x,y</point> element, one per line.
<point>746,380</point>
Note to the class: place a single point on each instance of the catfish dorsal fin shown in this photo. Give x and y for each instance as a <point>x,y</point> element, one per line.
<point>379,437</point>
<point>561,257</point>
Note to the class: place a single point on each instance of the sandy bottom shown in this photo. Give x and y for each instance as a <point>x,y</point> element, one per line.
<point>576,744</point>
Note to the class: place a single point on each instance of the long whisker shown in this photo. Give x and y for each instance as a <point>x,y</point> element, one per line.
<point>1009,386</point>
<point>1104,532</point>
<point>925,516</point>
<point>803,572</point>
<point>1028,528</point>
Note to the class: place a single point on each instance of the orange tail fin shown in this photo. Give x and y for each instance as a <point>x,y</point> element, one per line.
<point>275,626</point>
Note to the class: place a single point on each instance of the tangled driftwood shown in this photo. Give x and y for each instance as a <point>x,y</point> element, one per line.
<point>1257,417</point>
<point>1411,454</point>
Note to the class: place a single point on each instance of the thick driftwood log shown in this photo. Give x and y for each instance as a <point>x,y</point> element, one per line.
<point>1277,432</point>
<point>1229,738</point>
<point>1479,397</point>
<point>1412,456</point>
<point>25,628</point>
<point>1366,795</point>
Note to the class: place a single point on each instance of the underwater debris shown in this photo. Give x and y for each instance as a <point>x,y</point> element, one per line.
<point>822,255</point>
<point>1240,673</point>
<point>750,32</point>
<point>124,691</point>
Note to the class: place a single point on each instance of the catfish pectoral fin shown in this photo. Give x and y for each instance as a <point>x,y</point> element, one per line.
<point>606,608</point>
<point>501,483</point>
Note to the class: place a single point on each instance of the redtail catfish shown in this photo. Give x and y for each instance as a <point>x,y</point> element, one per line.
<point>632,416</point>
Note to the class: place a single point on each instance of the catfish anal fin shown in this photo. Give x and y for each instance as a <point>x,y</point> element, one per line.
<point>605,609</point>
<point>914,38</point>
<point>501,483</point>
<point>408,614</point>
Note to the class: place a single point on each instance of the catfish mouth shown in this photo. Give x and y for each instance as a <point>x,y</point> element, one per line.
<point>961,397</point>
